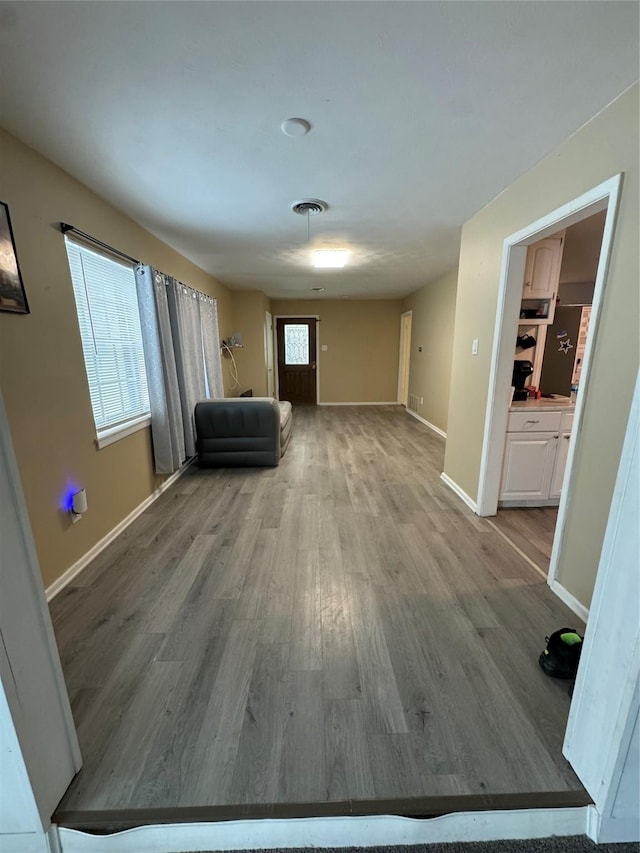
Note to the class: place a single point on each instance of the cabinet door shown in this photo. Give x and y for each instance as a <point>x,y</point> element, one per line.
<point>528,465</point>
<point>560,465</point>
<point>542,271</point>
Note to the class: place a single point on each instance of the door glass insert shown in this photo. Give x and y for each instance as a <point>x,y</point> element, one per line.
<point>296,343</point>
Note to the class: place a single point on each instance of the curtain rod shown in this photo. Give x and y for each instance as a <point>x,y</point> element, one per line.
<point>65,228</point>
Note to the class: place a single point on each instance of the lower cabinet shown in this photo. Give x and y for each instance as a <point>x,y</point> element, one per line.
<point>535,456</point>
<point>529,459</point>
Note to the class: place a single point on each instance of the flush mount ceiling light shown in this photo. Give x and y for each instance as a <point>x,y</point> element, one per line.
<point>330,259</point>
<point>318,289</point>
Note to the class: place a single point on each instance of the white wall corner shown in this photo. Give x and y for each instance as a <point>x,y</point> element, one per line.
<point>593,823</point>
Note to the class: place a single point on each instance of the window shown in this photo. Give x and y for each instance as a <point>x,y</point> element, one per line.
<point>296,343</point>
<point>107,305</point>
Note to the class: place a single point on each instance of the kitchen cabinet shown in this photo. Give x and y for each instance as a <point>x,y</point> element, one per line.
<point>541,277</point>
<point>562,452</point>
<point>535,456</point>
<point>529,459</point>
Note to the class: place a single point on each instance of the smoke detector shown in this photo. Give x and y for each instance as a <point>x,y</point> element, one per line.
<point>295,127</point>
<point>308,206</point>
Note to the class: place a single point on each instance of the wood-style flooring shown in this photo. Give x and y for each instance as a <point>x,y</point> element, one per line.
<point>531,529</point>
<point>340,628</point>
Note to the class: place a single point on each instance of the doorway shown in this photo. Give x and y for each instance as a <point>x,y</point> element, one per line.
<point>602,198</point>
<point>268,353</point>
<point>404,359</point>
<point>297,360</point>
<point>553,350</point>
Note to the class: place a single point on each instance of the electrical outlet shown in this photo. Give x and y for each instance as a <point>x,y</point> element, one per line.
<point>474,347</point>
<point>422,401</point>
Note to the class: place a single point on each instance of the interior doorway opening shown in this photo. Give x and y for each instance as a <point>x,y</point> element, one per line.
<point>404,358</point>
<point>549,354</point>
<point>601,199</point>
<point>268,354</point>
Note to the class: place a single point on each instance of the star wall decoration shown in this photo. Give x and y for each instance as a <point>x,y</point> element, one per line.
<point>565,346</point>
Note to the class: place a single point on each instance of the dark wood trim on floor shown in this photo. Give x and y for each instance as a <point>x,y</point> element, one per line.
<point>116,820</point>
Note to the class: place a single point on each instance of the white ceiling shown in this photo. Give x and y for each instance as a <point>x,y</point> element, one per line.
<point>421,113</point>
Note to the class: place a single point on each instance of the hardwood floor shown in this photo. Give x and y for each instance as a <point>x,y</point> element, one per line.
<point>339,628</point>
<point>531,530</point>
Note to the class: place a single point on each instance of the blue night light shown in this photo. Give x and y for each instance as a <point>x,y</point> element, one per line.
<point>66,502</point>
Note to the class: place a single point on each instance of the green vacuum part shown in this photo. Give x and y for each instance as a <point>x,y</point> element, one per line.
<point>571,639</point>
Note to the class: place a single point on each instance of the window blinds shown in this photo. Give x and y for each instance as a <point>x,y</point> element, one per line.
<point>107,306</point>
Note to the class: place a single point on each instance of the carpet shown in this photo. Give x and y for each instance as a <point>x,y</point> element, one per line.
<point>573,844</point>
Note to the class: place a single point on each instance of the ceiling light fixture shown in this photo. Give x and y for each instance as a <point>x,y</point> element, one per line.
<point>330,259</point>
<point>318,289</point>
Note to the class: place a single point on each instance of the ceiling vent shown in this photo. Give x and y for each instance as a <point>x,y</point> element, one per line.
<point>308,206</point>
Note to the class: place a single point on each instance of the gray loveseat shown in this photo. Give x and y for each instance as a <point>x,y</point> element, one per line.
<point>242,431</point>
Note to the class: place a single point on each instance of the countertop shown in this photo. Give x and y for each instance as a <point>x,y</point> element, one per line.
<point>560,404</point>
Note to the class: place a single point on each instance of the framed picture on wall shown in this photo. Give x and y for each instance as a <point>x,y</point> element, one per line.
<point>12,295</point>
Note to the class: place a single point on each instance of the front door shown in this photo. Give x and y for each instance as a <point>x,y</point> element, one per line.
<point>297,360</point>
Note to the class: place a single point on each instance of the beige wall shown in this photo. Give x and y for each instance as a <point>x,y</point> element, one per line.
<point>248,312</point>
<point>432,321</point>
<point>42,373</point>
<point>362,338</point>
<point>601,149</point>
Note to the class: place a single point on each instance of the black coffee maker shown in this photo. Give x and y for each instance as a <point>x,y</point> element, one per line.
<point>521,370</point>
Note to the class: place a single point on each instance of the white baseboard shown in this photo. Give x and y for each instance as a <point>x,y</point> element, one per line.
<point>59,584</point>
<point>571,601</point>
<point>426,422</point>
<point>301,833</point>
<point>390,403</point>
<point>459,492</point>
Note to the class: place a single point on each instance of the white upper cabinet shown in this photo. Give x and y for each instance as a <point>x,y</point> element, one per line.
<point>542,271</point>
<point>541,278</point>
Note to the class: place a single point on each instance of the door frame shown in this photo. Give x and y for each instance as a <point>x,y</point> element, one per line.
<point>404,360</point>
<point>277,317</point>
<point>514,252</point>
<point>44,754</point>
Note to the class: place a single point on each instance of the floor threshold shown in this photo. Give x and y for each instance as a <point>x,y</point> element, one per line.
<point>106,821</point>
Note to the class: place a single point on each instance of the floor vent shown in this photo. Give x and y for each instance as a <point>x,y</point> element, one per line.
<point>413,402</point>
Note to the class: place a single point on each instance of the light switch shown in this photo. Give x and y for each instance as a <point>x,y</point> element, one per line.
<point>324,347</point>
<point>474,347</point>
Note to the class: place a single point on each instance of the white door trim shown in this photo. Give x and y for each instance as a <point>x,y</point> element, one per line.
<point>605,195</point>
<point>277,317</point>
<point>37,703</point>
<point>604,709</point>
